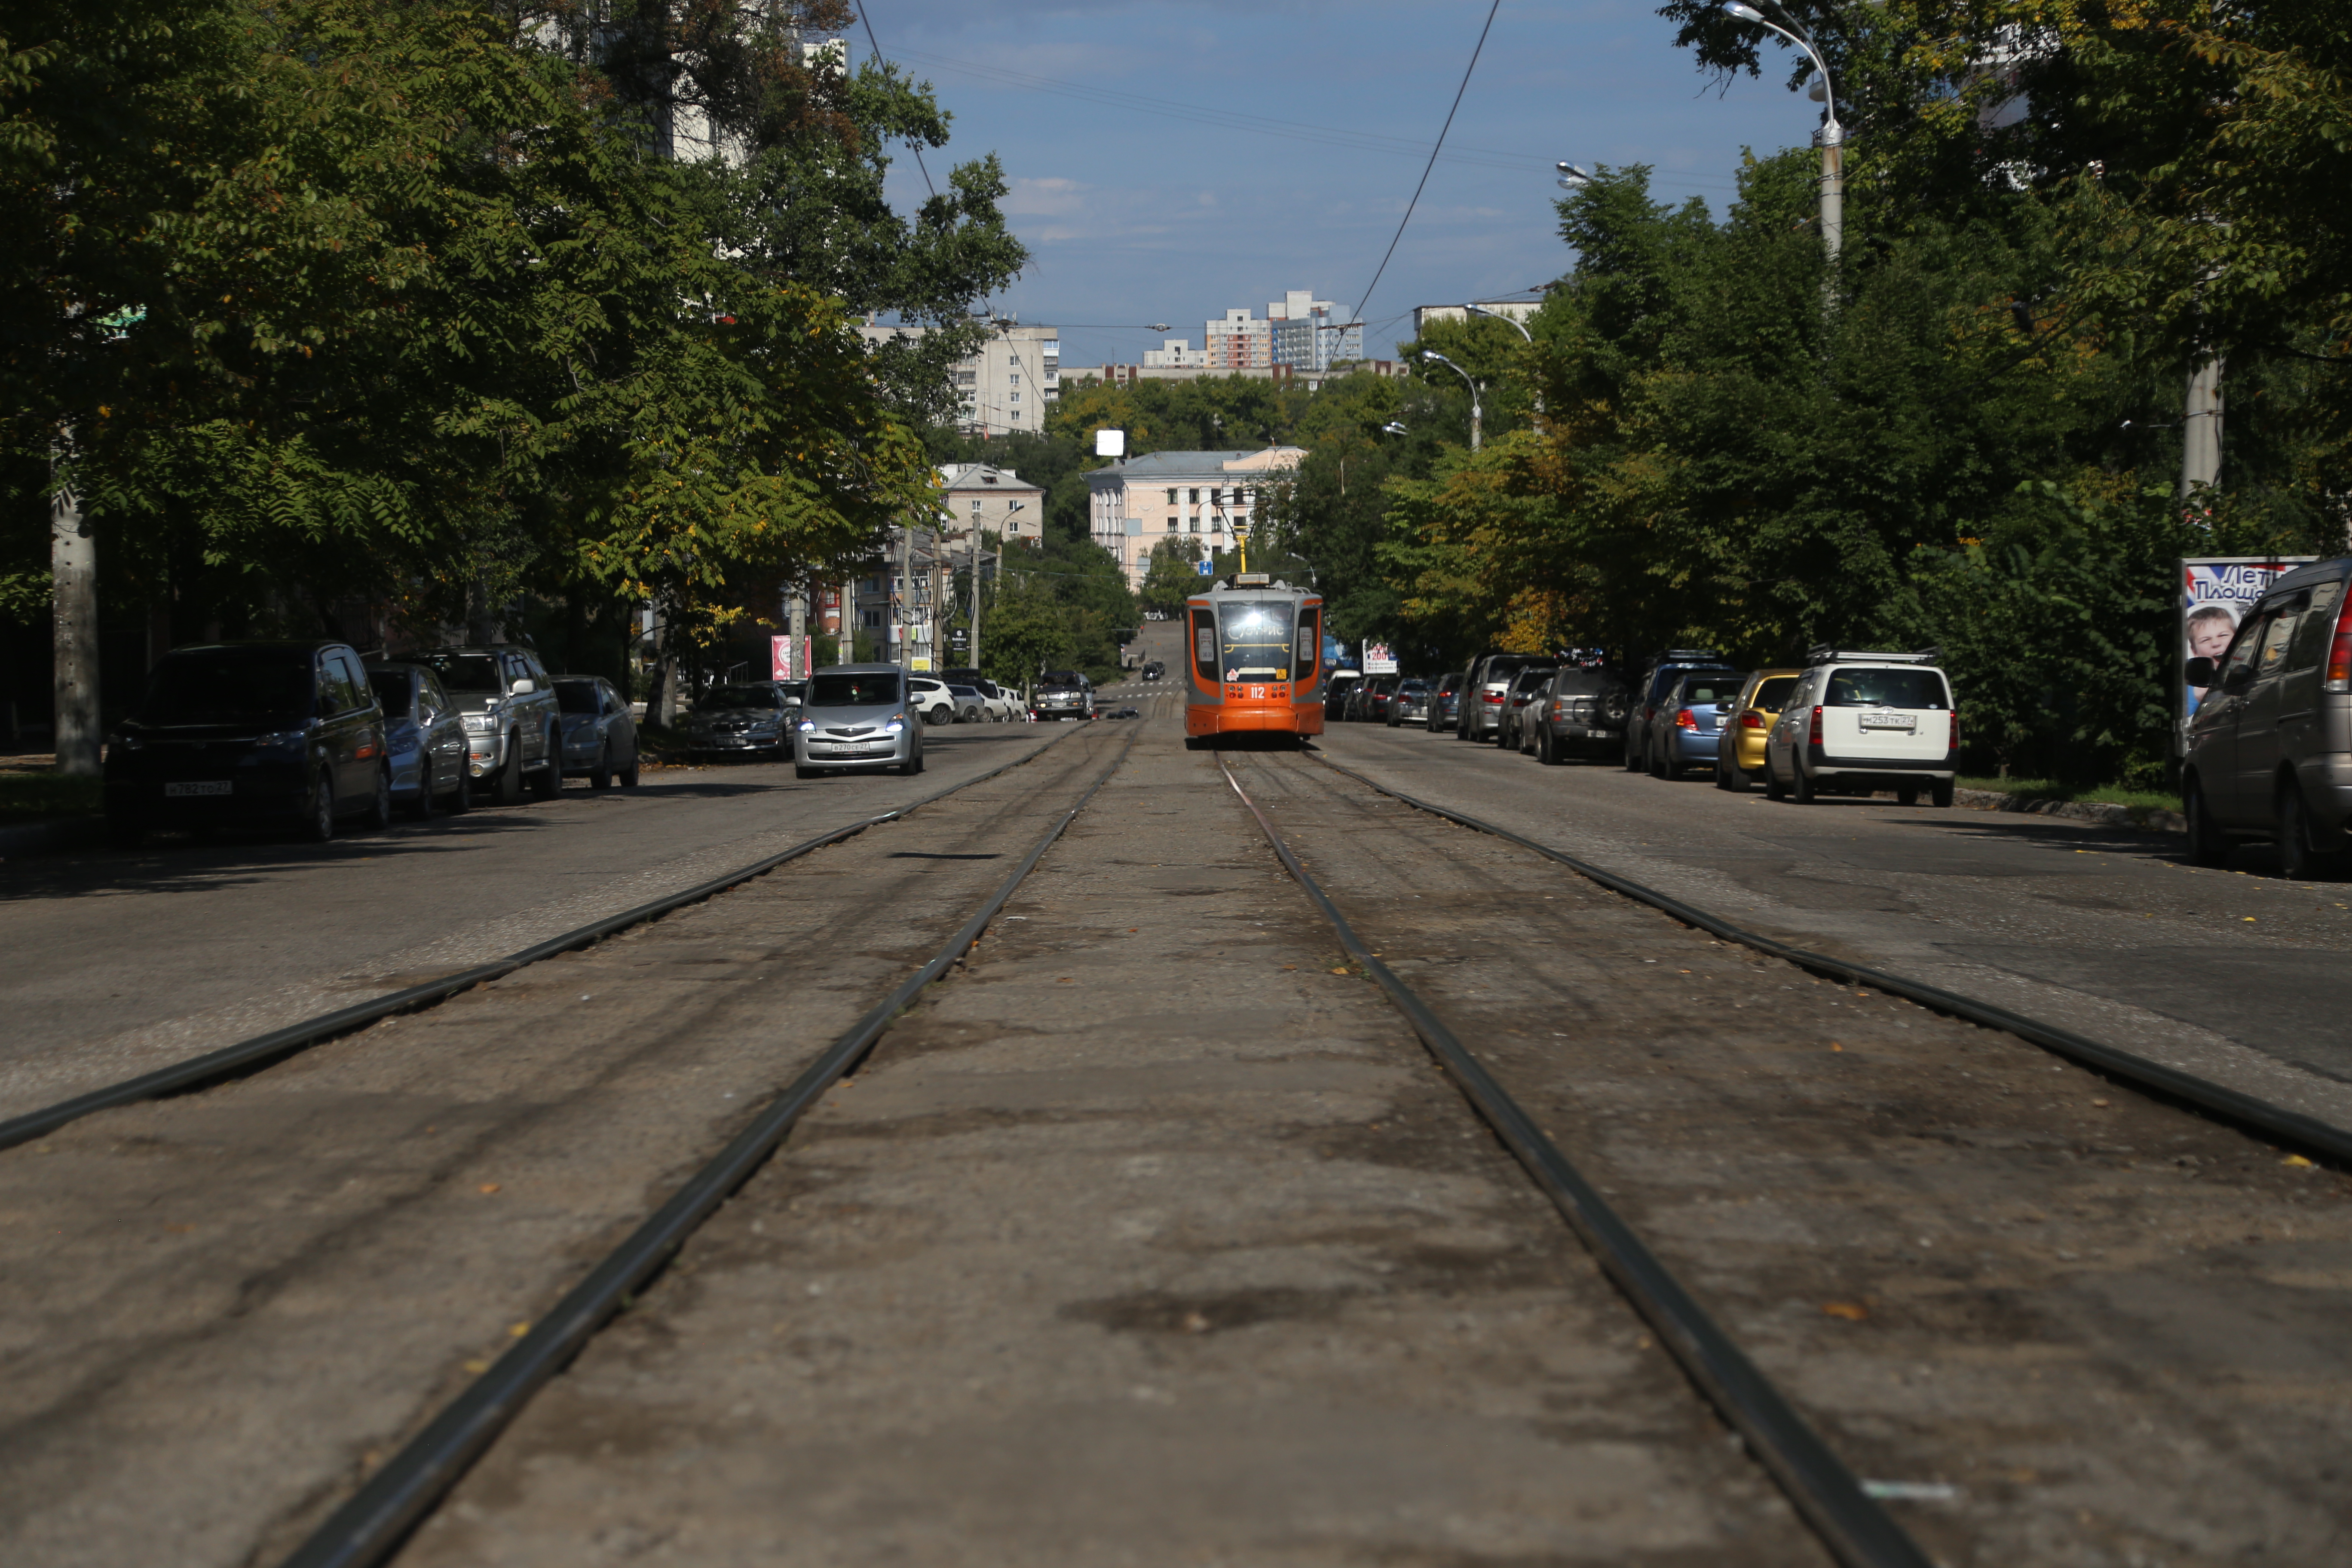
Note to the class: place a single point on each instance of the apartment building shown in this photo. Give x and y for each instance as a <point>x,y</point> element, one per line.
<point>978,495</point>
<point>1239,341</point>
<point>1208,499</point>
<point>1177,353</point>
<point>1518,311</point>
<point>1008,385</point>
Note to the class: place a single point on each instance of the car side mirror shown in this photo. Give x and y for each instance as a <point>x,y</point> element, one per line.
<point>525,687</point>
<point>2200,672</point>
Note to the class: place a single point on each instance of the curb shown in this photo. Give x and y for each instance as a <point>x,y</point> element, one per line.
<point>2148,817</point>
<point>46,838</point>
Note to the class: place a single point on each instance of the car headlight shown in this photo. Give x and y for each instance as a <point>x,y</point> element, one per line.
<point>480,723</point>
<point>131,743</point>
<point>898,723</point>
<point>281,740</point>
<point>808,726</point>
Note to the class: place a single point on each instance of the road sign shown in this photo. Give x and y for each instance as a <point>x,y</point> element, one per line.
<point>1204,568</point>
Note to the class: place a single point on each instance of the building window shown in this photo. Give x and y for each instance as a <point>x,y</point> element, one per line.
<point>1196,525</point>
<point>1196,495</point>
<point>975,503</point>
<point>1016,378</point>
<point>1172,525</point>
<point>1172,498</point>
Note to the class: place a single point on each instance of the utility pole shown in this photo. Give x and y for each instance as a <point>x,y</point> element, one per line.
<point>2200,432</point>
<point>1832,137</point>
<point>73,577</point>
<point>796,629</point>
<point>904,599</point>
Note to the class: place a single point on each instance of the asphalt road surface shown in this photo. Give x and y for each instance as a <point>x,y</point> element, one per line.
<point>122,963</point>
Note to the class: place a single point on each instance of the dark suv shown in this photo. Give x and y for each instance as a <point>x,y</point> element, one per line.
<point>2269,746</point>
<point>1669,668</point>
<point>1063,694</point>
<point>272,734</point>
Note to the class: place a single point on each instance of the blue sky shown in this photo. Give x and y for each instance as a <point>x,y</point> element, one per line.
<point>1134,214</point>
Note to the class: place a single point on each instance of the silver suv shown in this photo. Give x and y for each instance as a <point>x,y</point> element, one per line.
<point>2270,748</point>
<point>857,716</point>
<point>512,726</point>
<point>1063,694</point>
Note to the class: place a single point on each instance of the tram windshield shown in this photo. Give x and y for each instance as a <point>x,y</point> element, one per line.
<point>1255,638</point>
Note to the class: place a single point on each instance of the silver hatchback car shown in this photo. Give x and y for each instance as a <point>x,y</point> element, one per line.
<point>857,717</point>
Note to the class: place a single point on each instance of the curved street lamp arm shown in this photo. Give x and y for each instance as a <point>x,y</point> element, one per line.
<point>1829,88</point>
<point>1499,316</point>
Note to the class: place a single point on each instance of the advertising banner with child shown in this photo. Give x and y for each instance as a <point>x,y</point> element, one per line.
<point>2215,594</point>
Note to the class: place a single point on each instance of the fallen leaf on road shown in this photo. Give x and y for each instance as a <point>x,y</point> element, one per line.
<point>2298,1161</point>
<point>488,1188</point>
<point>1851,1311</point>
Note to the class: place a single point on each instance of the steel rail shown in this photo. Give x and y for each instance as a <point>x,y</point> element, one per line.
<point>2290,1127</point>
<point>375,1519</point>
<point>1858,1533</point>
<point>260,1050</point>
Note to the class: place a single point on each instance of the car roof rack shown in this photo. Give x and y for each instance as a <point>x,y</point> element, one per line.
<point>1828,653</point>
<point>1690,655</point>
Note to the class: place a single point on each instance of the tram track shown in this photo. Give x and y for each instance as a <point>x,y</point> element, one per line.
<point>1972,1273</point>
<point>356,1173</point>
<point>1857,1532</point>
<point>275,1045</point>
<point>2291,1127</point>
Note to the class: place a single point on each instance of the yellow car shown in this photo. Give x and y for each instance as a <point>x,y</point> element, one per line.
<point>1739,750</point>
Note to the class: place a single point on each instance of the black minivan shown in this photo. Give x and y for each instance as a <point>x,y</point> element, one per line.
<point>255,735</point>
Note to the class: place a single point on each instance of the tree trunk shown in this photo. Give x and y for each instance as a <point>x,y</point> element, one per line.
<point>73,577</point>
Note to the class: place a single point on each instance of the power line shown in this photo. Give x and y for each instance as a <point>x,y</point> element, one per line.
<point>1366,295</point>
<point>865,15</point>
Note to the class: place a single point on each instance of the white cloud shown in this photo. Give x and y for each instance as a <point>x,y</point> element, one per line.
<point>1050,197</point>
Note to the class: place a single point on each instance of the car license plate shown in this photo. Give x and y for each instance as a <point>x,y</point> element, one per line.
<point>1906,722</point>
<point>210,786</point>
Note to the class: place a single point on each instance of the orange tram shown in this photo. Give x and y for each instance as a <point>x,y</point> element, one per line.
<point>1254,650</point>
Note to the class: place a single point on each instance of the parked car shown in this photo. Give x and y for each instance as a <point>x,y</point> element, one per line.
<point>749,718</point>
<point>1486,689</point>
<point>1748,720</point>
<point>513,733</point>
<point>932,700</point>
<point>267,734</point>
<point>971,707</point>
<point>424,738</point>
<point>1525,683</point>
<point>857,717</point>
<point>1336,689</point>
<point>1446,703</point>
<point>1689,721</point>
<point>1864,721</point>
<point>1656,681</point>
<point>600,738</point>
<point>997,705</point>
<point>2269,747</point>
<point>1409,703</point>
<point>1372,704</point>
<point>1580,713</point>
<point>1063,694</point>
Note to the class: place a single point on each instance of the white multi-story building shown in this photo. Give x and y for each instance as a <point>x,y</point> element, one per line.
<point>1199,497</point>
<point>1306,333</point>
<point>1176,353</point>
<point>1520,310</point>
<point>1239,341</point>
<point>1008,385</point>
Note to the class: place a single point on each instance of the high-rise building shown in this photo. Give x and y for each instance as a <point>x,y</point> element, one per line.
<point>1008,385</point>
<point>1308,335</point>
<point>1239,341</point>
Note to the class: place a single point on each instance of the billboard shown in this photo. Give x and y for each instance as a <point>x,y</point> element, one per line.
<point>1380,659</point>
<point>2216,592</point>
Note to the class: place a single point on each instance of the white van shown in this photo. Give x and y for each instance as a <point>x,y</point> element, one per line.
<point>1858,722</point>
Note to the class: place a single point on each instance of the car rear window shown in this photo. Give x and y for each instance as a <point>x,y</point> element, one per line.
<point>1886,688</point>
<point>230,685</point>
<point>579,696</point>
<point>1705,691</point>
<point>853,691</point>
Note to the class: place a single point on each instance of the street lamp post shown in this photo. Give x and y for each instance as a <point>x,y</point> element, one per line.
<point>1477,414</point>
<point>1832,142</point>
<point>1516,325</point>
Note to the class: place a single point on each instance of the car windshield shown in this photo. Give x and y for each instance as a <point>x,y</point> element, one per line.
<point>1886,688</point>
<point>871,690</point>
<point>391,689</point>
<point>1773,695</point>
<point>230,685</point>
<point>742,697</point>
<point>578,697</point>
<point>1255,638</point>
<point>1058,677</point>
<point>476,672</point>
